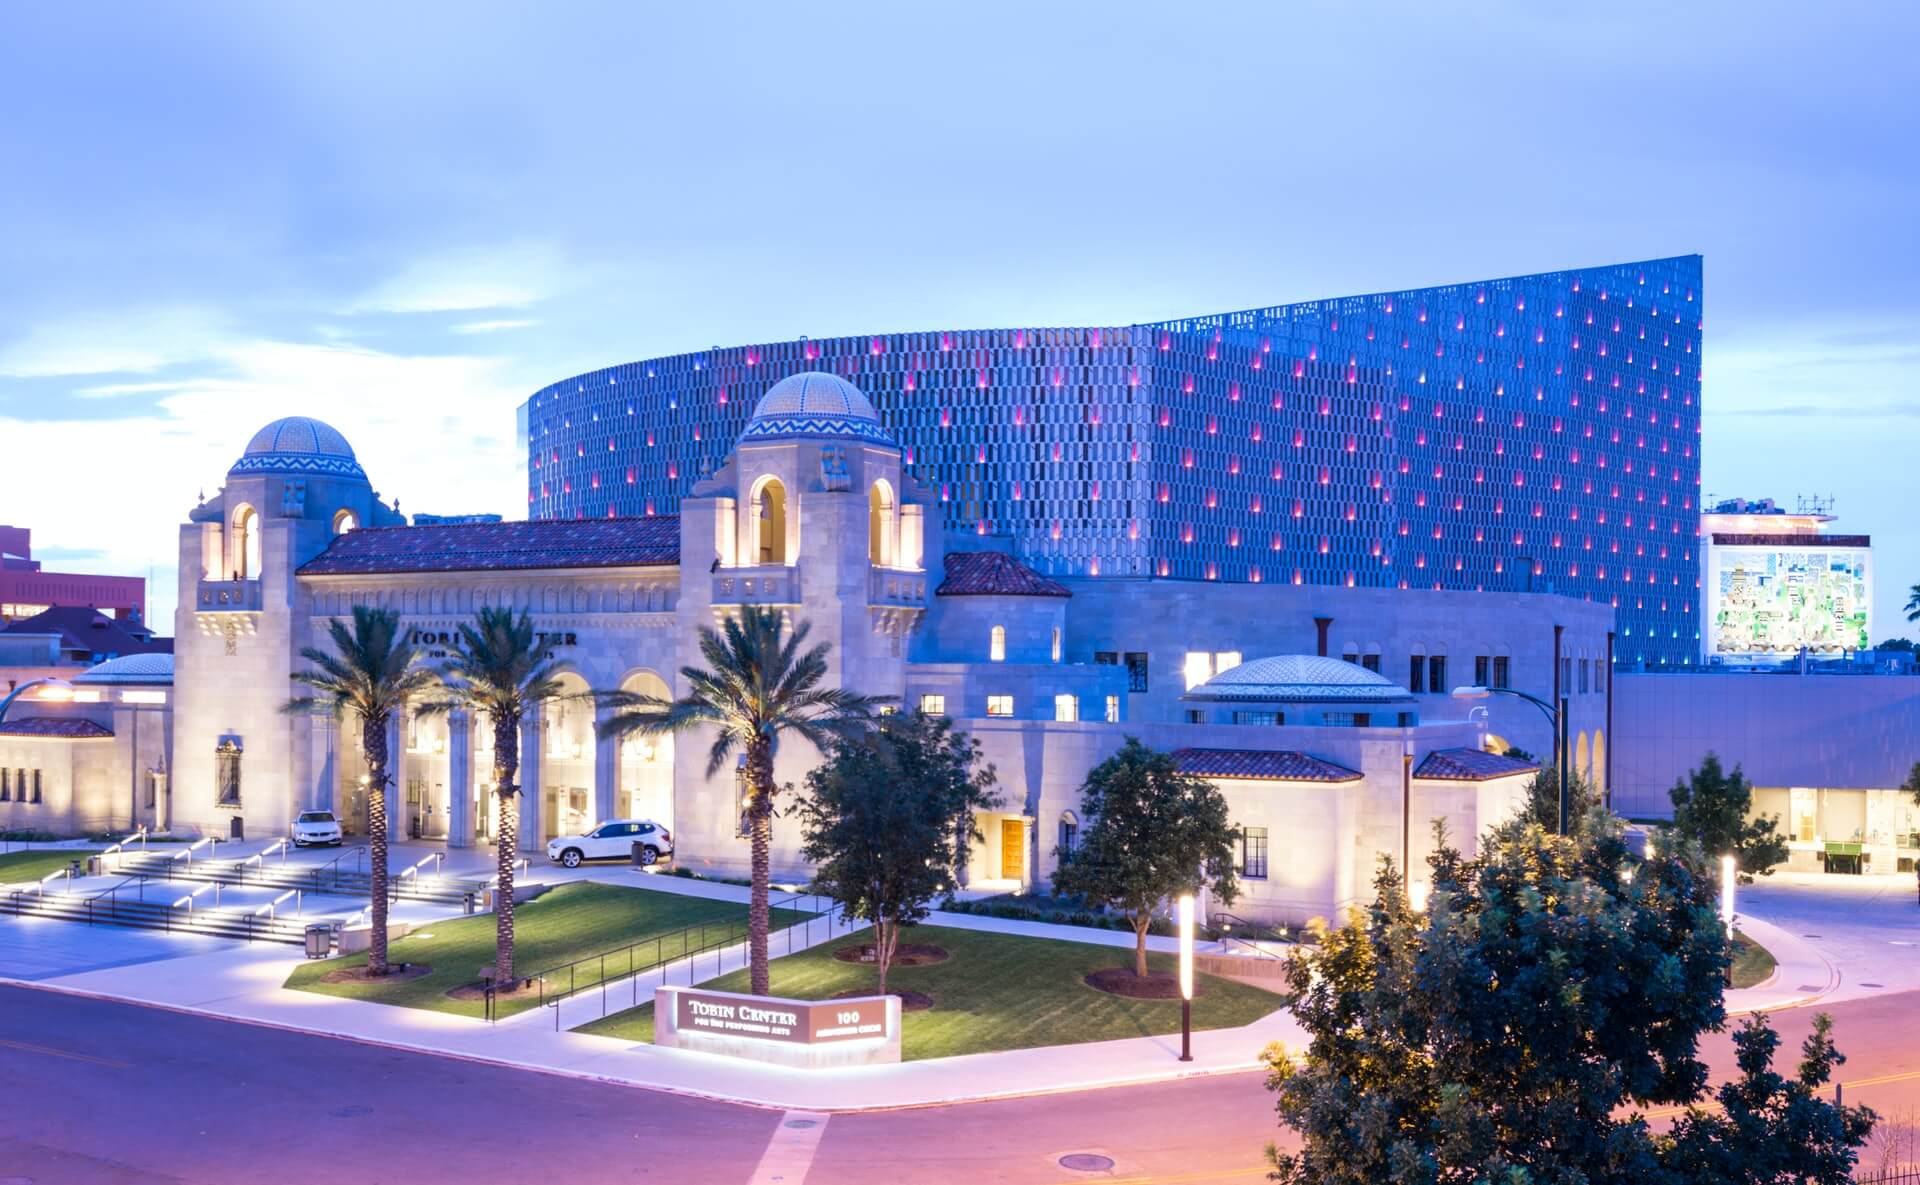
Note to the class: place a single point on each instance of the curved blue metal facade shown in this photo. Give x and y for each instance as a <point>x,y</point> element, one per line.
<point>1537,431</point>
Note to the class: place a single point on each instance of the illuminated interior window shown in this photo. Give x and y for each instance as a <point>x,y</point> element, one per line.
<point>999,705</point>
<point>1198,668</point>
<point>933,705</point>
<point>1066,708</point>
<point>997,644</point>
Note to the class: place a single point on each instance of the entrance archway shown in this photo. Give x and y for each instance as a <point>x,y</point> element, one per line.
<point>645,788</point>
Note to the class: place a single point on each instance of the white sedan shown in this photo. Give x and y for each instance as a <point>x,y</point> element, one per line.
<point>315,827</point>
<point>612,840</point>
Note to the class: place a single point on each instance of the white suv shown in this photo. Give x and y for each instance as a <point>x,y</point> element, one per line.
<point>312,827</point>
<point>613,839</point>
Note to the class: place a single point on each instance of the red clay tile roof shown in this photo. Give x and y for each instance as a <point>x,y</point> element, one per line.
<point>651,541</point>
<point>1273,764</point>
<point>60,728</point>
<point>1470,765</point>
<point>994,574</point>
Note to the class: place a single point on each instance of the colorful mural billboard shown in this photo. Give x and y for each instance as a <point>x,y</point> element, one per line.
<point>1775,601</point>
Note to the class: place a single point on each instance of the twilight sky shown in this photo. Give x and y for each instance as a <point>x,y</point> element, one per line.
<point>404,218</point>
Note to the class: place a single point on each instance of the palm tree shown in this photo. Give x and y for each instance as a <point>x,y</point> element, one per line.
<point>369,675</point>
<point>757,686</point>
<point>501,667</point>
<point>1913,603</point>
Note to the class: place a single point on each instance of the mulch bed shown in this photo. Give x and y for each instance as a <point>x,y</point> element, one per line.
<point>907,954</point>
<point>910,1001</point>
<point>521,989</point>
<point>396,973</point>
<point>1121,981</point>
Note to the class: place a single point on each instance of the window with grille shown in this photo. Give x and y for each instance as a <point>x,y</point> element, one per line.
<point>1501,667</point>
<point>1136,671</point>
<point>226,774</point>
<point>933,705</point>
<point>1253,853</point>
<point>1066,708</point>
<point>999,705</point>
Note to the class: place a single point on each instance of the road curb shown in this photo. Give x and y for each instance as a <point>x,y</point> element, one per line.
<point>710,1095</point>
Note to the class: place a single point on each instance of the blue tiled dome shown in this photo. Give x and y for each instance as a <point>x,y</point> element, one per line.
<point>298,444</point>
<point>1301,678</point>
<point>813,403</point>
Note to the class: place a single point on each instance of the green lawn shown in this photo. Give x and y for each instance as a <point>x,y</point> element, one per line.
<point>16,867</point>
<point>570,922</point>
<point>998,991</point>
<point>1752,963</point>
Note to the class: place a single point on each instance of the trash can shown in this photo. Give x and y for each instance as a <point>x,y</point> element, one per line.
<point>73,868</point>
<point>94,866</point>
<point>639,854</point>
<point>467,902</point>
<point>319,940</point>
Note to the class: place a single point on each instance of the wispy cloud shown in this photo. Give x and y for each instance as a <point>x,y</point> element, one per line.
<point>511,275</point>
<point>493,326</point>
<point>131,341</point>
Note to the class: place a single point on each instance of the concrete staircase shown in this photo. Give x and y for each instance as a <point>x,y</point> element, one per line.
<point>106,909</point>
<point>338,878</point>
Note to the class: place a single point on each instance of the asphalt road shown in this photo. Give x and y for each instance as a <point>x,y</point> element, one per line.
<point>103,1093</point>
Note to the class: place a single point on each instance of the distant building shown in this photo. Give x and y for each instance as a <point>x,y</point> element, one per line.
<point>26,590</point>
<point>1779,586</point>
<point>453,520</point>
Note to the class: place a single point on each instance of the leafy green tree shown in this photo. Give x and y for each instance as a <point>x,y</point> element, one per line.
<point>888,818</point>
<point>368,676</point>
<point>1509,1033</point>
<point>1912,784</point>
<point>1152,832</point>
<point>1710,809</point>
<point>757,686</point>
<point>503,668</point>
<point>1543,800</point>
<point>1769,1127</point>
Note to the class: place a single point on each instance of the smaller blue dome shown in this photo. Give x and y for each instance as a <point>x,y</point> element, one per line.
<point>298,445</point>
<point>814,403</point>
<point>1300,679</point>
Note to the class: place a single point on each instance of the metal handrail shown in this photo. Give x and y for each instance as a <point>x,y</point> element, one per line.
<point>734,933</point>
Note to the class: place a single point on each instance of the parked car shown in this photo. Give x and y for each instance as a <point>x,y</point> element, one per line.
<point>612,840</point>
<point>316,827</point>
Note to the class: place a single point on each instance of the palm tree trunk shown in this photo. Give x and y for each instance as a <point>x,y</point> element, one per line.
<point>506,750</point>
<point>760,816</point>
<point>373,738</point>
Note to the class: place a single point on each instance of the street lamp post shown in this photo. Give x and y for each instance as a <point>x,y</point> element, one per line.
<point>1556,717</point>
<point>1186,976</point>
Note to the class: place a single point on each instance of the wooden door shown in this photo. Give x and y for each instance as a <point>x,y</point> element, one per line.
<point>1013,848</point>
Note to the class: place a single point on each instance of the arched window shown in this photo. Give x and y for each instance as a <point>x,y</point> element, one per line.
<point>1582,764</point>
<point>245,553</point>
<point>1599,776</point>
<point>880,529</point>
<point>1056,643</point>
<point>770,522</point>
<point>997,644</point>
<point>345,521</point>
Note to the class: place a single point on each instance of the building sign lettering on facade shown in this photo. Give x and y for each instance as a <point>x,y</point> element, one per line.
<point>796,1021</point>
<point>449,639</point>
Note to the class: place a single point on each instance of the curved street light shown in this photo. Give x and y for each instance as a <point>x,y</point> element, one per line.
<point>43,681</point>
<point>1556,717</point>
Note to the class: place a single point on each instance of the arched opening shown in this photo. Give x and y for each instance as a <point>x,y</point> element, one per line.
<point>1055,650</point>
<point>243,552</point>
<point>345,521</point>
<point>997,644</point>
<point>880,526</point>
<point>1600,761</point>
<point>770,522</point>
<point>646,762</point>
<point>566,761</point>
<point>1582,761</point>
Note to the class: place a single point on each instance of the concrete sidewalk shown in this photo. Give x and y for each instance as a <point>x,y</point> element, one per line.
<point>244,984</point>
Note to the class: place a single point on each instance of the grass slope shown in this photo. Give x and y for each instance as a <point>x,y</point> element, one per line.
<point>998,991</point>
<point>571,922</point>
<point>1752,963</point>
<point>17,867</point>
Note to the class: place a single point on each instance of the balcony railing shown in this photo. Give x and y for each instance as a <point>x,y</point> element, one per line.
<point>229,596</point>
<point>771,585</point>
<point>891,588</point>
